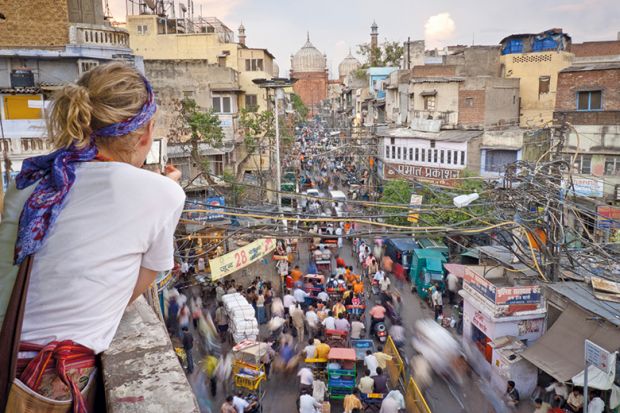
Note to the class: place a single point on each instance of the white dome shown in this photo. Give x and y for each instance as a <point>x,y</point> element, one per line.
<point>275,72</point>
<point>308,59</point>
<point>348,65</point>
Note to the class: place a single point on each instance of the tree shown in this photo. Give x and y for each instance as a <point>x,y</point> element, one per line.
<point>258,129</point>
<point>387,54</point>
<point>299,107</point>
<point>396,192</point>
<point>193,126</point>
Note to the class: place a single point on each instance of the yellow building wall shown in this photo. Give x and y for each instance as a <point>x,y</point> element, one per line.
<point>536,108</point>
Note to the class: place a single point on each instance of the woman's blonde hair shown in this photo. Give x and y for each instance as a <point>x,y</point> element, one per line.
<point>105,95</point>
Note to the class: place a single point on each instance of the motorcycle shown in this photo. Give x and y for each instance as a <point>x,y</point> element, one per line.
<point>380,331</point>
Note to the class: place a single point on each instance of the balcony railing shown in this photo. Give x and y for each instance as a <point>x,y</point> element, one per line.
<point>95,35</point>
<point>605,117</point>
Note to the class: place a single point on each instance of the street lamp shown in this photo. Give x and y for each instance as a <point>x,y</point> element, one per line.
<point>278,85</point>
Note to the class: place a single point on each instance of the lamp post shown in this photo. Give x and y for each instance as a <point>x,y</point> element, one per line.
<point>278,85</point>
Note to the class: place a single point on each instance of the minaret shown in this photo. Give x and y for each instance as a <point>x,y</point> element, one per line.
<point>241,34</point>
<point>374,44</point>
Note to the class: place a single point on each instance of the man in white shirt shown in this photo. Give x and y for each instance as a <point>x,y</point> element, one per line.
<point>560,391</point>
<point>437,302</point>
<point>240,405</point>
<point>356,329</point>
<point>289,301</point>
<point>342,323</point>
<point>596,404</point>
<point>310,350</point>
<point>379,275</point>
<point>305,379</point>
<point>385,284</point>
<point>323,296</point>
<point>370,361</point>
<point>453,287</point>
<point>300,295</point>
<point>330,322</point>
<point>308,404</point>
<point>313,321</point>
<point>389,405</point>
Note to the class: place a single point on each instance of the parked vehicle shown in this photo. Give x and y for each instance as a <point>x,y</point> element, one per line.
<point>427,270</point>
<point>400,251</point>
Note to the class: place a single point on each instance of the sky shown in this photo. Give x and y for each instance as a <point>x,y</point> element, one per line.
<point>337,25</point>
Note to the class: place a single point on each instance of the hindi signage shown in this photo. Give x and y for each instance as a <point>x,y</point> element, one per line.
<point>473,281</point>
<point>518,295</point>
<point>439,176</point>
<point>415,203</point>
<point>608,217</point>
<point>240,258</point>
<point>598,357</point>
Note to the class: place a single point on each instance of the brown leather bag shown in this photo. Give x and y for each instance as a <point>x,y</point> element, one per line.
<point>11,330</point>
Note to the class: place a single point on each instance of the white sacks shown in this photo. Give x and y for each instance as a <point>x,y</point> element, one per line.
<point>241,316</point>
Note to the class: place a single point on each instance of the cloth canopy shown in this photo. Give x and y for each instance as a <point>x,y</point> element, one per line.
<point>560,352</point>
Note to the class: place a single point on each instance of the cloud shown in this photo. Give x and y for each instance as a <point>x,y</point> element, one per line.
<point>438,29</point>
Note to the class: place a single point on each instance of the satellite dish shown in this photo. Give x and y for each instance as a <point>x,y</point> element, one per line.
<point>151,4</point>
<point>182,7</point>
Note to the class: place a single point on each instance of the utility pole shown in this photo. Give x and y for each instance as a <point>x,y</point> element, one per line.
<point>278,94</point>
<point>555,215</point>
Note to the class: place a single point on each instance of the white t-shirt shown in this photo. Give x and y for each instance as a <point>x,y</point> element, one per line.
<point>117,218</point>
<point>305,375</point>
<point>312,318</point>
<point>240,404</point>
<point>371,362</point>
<point>288,301</point>
<point>307,404</point>
<point>329,323</point>
<point>323,296</point>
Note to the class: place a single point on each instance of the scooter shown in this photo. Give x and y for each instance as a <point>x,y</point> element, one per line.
<point>380,331</point>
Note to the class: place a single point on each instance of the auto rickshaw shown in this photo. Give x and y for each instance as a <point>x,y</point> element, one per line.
<point>341,372</point>
<point>427,271</point>
<point>400,250</point>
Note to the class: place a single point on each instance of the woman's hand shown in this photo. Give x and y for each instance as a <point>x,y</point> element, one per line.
<point>173,173</point>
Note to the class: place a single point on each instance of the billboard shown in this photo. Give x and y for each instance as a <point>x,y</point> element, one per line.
<point>240,258</point>
<point>438,176</point>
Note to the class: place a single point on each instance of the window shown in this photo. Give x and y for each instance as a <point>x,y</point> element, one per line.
<point>86,65</point>
<point>462,157</point>
<point>469,102</point>
<point>253,65</point>
<point>17,107</point>
<point>417,154</point>
<point>392,141</point>
<point>543,84</point>
<point>589,100</point>
<point>393,152</point>
<point>449,156</point>
<point>251,103</point>
<point>441,157</point>
<point>585,164</point>
<point>222,104</point>
<point>423,155</point>
<point>387,151</point>
<point>435,155</point>
<point>398,153</point>
<point>143,29</point>
<point>612,165</point>
<point>432,144</point>
<point>411,154</point>
<point>429,103</point>
<point>496,160</point>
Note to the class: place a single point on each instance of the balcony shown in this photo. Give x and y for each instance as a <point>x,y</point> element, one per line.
<point>141,372</point>
<point>98,36</point>
<point>605,117</point>
<point>433,121</point>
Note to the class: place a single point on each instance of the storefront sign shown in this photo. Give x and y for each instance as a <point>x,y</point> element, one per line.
<point>472,281</point>
<point>591,188</point>
<point>240,258</point>
<point>439,176</point>
<point>608,217</point>
<point>598,357</point>
<point>415,203</point>
<point>480,321</point>
<point>518,295</point>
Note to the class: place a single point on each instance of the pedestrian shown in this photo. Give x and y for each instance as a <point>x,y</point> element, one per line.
<point>268,293</point>
<point>267,359</point>
<point>342,323</point>
<point>381,357</point>
<point>221,320</point>
<point>183,317</point>
<point>512,394</point>
<point>385,284</point>
<point>306,377</point>
<point>560,393</point>
<point>371,363</point>
<point>300,296</point>
<point>241,404</point>
<point>366,384</point>
<point>313,321</point>
<point>453,287</point>
<point>541,407</point>
<point>219,292</point>
<point>329,322</point>
<point>196,306</point>
<point>223,370</point>
<point>308,404</point>
<point>261,315</point>
<point>596,404</point>
<point>338,309</point>
<point>437,301</point>
<point>297,316</point>
<point>277,308</point>
<point>339,235</point>
<point>209,365</point>
<point>188,345</point>
<point>173,316</point>
<point>352,401</point>
<point>227,406</point>
<point>380,382</point>
<point>356,328</point>
<point>310,350</point>
<point>389,405</point>
<point>574,403</point>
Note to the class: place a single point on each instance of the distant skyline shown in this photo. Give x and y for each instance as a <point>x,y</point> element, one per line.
<point>337,25</point>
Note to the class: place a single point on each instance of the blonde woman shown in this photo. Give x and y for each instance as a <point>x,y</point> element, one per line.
<point>97,227</point>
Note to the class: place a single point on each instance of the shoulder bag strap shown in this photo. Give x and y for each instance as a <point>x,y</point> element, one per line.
<point>11,330</point>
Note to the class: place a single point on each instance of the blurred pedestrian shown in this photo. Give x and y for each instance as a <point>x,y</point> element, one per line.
<point>188,345</point>
<point>209,365</point>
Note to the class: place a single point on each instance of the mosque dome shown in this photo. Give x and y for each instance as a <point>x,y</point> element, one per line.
<point>308,59</point>
<point>348,65</point>
<point>275,72</point>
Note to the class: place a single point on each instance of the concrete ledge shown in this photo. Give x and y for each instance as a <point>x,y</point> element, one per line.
<point>141,371</point>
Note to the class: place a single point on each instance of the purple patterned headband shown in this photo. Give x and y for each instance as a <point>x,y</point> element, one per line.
<point>134,123</point>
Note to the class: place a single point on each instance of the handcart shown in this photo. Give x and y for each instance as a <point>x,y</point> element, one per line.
<point>336,338</point>
<point>341,372</point>
<point>248,370</point>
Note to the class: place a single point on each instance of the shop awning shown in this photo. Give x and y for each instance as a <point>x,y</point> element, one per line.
<point>559,352</point>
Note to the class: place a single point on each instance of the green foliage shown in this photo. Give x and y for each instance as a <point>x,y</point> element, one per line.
<point>451,215</point>
<point>396,192</point>
<point>236,190</point>
<point>299,106</point>
<point>199,125</point>
<point>387,54</point>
